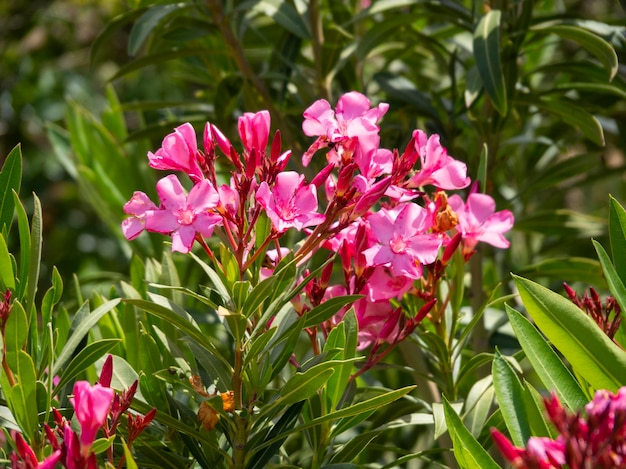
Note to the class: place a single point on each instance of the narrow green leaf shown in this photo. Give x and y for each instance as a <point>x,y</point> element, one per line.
<point>482,168</point>
<point>147,22</point>
<point>177,321</point>
<point>574,115</point>
<point>257,296</point>
<point>617,233</point>
<point>85,358</point>
<point>36,240</point>
<point>615,283</point>
<point>364,406</point>
<point>16,328</point>
<point>510,395</point>
<point>572,269</point>
<point>24,235</point>
<point>536,412</point>
<point>467,451</point>
<point>603,50</point>
<point>303,385</point>
<point>283,13</point>
<point>551,371</point>
<point>217,281</point>
<point>7,276</point>
<point>487,53</point>
<point>590,352</point>
<point>23,395</point>
<point>328,309</point>
<point>10,180</point>
<point>79,332</point>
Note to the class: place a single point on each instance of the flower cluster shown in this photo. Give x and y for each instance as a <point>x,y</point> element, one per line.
<point>606,315</point>
<point>597,440</point>
<point>95,407</point>
<point>368,204</point>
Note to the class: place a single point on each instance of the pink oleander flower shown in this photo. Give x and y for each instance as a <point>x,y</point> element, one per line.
<point>91,407</point>
<point>137,206</point>
<point>183,215</point>
<point>438,168</point>
<point>402,241</point>
<point>179,152</point>
<point>352,119</point>
<point>597,440</point>
<point>378,322</point>
<point>290,203</point>
<point>382,286</point>
<point>478,220</point>
<point>25,457</point>
<point>254,130</point>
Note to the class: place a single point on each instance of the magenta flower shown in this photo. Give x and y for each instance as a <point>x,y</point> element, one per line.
<point>381,286</point>
<point>478,220</point>
<point>181,215</point>
<point>179,152</point>
<point>91,407</point>
<point>290,203</point>
<point>401,240</point>
<point>137,206</point>
<point>254,130</point>
<point>27,458</point>
<point>438,168</point>
<point>378,322</point>
<point>352,119</point>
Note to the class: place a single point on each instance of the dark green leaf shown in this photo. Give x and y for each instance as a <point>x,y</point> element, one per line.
<point>10,180</point>
<point>328,309</point>
<point>85,358</point>
<point>617,232</point>
<point>146,24</point>
<point>487,53</point>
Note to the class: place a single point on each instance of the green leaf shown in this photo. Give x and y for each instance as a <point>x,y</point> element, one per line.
<point>147,22</point>
<point>574,115</point>
<point>510,395</point>
<point>536,412</point>
<point>16,328</point>
<point>562,222</point>
<point>617,233</point>
<point>554,375</point>
<point>487,53</point>
<point>10,179</point>
<point>283,13</point>
<point>482,168</point>
<point>467,451</point>
<point>615,283</point>
<point>22,396</point>
<point>7,276</point>
<point>79,332</point>
<point>590,352</point>
<point>303,385</point>
<point>24,235</point>
<point>571,269</point>
<point>257,296</point>
<point>85,358</point>
<point>36,240</point>
<point>328,309</point>
<point>603,50</point>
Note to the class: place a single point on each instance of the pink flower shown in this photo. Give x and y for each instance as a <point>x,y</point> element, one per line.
<point>291,203</point>
<point>137,206</point>
<point>352,119</point>
<point>179,152</point>
<point>378,322</point>
<point>254,130</point>
<point>402,241</point>
<point>181,215</point>
<point>91,407</point>
<point>28,457</point>
<point>478,220</point>
<point>381,286</point>
<point>438,168</point>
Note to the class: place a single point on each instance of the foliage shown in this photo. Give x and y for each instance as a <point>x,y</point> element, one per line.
<point>529,94</point>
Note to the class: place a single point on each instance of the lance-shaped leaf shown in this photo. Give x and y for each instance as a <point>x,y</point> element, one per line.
<point>487,53</point>
<point>467,451</point>
<point>551,371</point>
<point>10,179</point>
<point>590,352</point>
<point>617,233</point>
